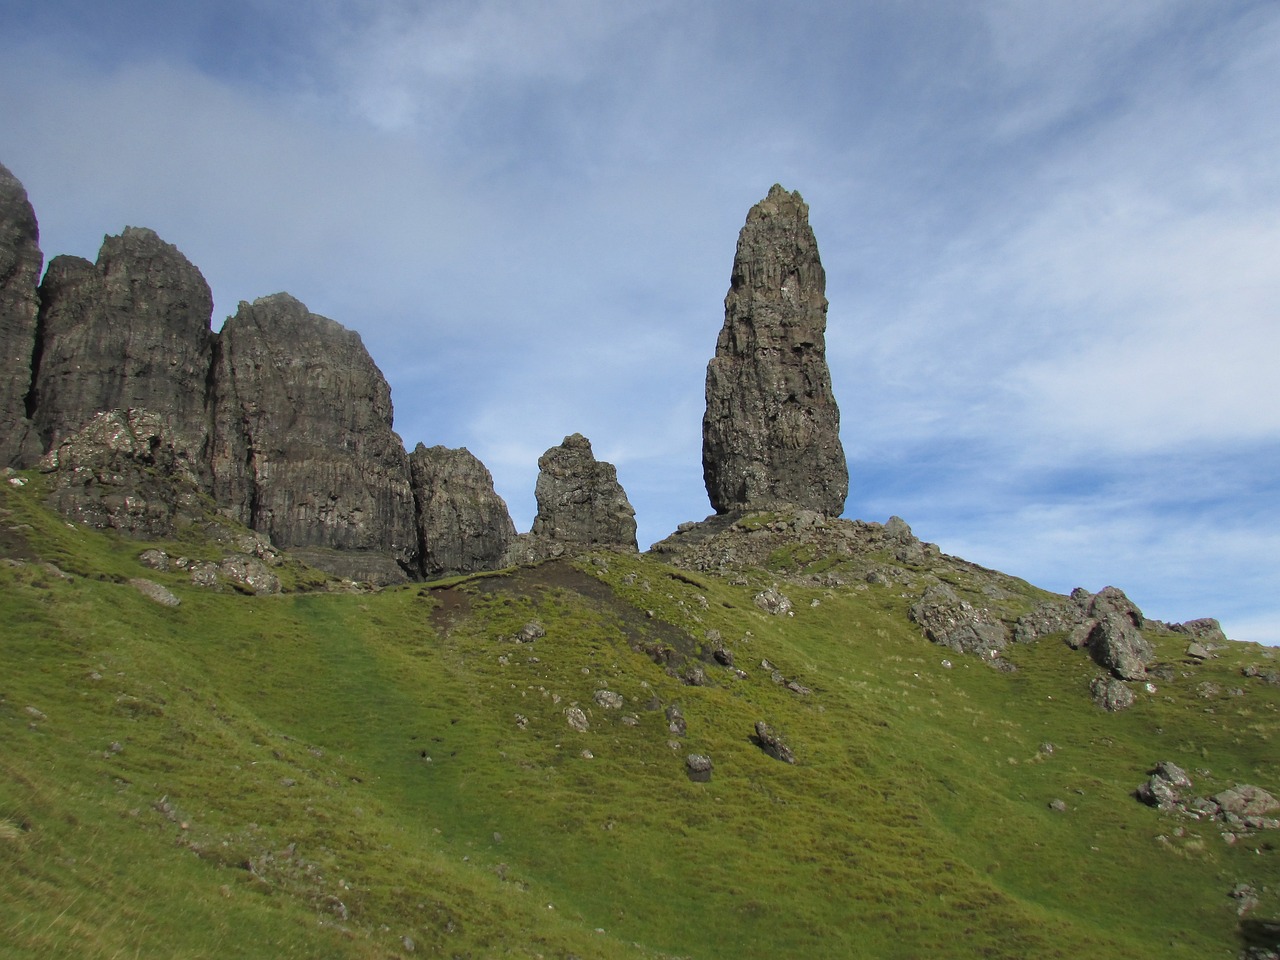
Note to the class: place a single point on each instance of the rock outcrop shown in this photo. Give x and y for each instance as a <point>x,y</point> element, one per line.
<point>302,447</point>
<point>463,525</point>
<point>20,263</point>
<point>131,330</point>
<point>771,432</point>
<point>122,472</point>
<point>581,505</point>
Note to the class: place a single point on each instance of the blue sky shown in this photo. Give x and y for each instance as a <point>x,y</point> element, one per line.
<point>1051,233</point>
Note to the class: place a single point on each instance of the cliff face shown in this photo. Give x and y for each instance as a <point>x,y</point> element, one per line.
<point>131,330</point>
<point>771,432</point>
<point>463,525</point>
<point>20,263</point>
<point>302,447</point>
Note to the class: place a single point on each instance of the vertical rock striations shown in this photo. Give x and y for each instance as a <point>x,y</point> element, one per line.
<point>581,506</point>
<point>302,447</point>
<point>20,263</point>
<point>771,432</point>
<point>463,525</point>
<point>131,330</point>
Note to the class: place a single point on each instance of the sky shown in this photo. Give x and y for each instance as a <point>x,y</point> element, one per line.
<point>1051,232</point>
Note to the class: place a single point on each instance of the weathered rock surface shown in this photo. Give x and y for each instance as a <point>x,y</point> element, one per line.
<point>122,471</point>
<point>302,447</point>
<point>581,505</point>
<point>1115,643</point>
<point>20,264</point>
<point>463,525</point>
<point>131,330</point>
<point>771,742</point>
<point>955,623</point>
<point>1111,694</point>
<point>771,432</point>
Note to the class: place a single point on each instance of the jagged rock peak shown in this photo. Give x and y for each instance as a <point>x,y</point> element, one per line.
<point>20,264</point>
<point>302,447</point>
<point>771,432</point>
<point>463,525</point>
<point>581,505</point>
<point>131,330</point>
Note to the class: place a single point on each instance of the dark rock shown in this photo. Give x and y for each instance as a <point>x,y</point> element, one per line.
<point>131,330</point>
<point>123,472</point>
<point>249,573</point>
<point>302,447</point>
<point>1048,618</point>
<point>957,624</point>
<point>530,632</point>
<point>1206,630</point>
<point>1116,644</point>
<point>1111,694</point>
<point>463,525</point>
<point>1108,600</point>
<point>771,432</point>
<point>771,743</point>
<point>698,766</point>
<point>20,263</point>
<point>1197,651</point>
<point>675,721</point>
<point>1173,773</point>
<point>581,506</point>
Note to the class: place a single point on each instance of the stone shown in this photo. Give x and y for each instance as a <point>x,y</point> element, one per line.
<point>463,525</point>
<point>155,592</point>
<point>20,263</point>
<point>1245,800</point>
<point>122,471</point>
<point>1108,601</point>
<point>772,743</point>
<point>131,330</point>
<point>1047,618</point>
<point>1058,805</point>
<point>1115,643</point>
<point>608,700</point>
<point>771,431</point>
<point>1111,694</point>
<point>773,601</point>
<point>698,766</point>
<point>577,719</point>
<point>302,448</point>
<point>675,721</point>
<point>957,624</point>
<point>581,505</point>
<point>1206,630</point>
<point>250,573</point>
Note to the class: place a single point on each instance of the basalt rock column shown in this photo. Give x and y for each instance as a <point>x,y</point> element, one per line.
<point>580,501</point>
<point>131,330</point>
<point>20,263</point>
<point>302,447</point>
<point>463,525</point>
<point>771,432</point>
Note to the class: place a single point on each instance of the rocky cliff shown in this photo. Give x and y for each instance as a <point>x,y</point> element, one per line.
<point>20,263</point>
<point>302,447</point>
<point>771,432</point>
<point>131,330</point>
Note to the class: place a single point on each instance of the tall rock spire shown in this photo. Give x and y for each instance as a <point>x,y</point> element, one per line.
<point>20,263</point>
<point>771,432</point>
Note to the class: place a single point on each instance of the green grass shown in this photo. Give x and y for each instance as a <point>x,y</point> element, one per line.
<point>323,775</point>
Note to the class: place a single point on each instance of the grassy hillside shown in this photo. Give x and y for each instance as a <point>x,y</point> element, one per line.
<point>332,774</point>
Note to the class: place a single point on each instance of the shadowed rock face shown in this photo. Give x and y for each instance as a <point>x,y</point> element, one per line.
<point>131,330</point>
<point>20,263</point>
<point>580,501</point>
<point>771,432</point>
<point>463,525</point>
<point>302,447</point>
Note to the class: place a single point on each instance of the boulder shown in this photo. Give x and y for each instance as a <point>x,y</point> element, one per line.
<point>463,525</point>
<point>771,431</point>
<point>1116,644</point>
<point>302,448</point>
<point>1245,800</point>
<point>698,766</point>
<point>947,620</point>
<point>772,743</point>
<point>20,264</point>
<point>1111,694</point>
<point>131,330</point>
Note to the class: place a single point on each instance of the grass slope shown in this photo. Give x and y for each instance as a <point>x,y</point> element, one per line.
<point>376,775</point>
